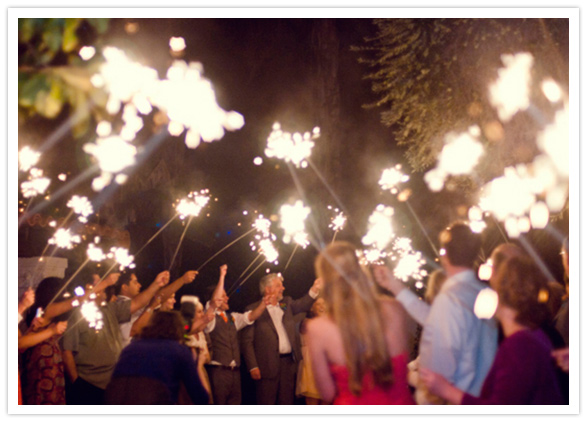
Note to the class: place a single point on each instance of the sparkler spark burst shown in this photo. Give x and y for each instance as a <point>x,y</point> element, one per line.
<point>113,154</point>
<point>380,231</point>
<point>510,92</point>
<point>64,239</point>
<point>485,270</point>
<point>294,148</point>
<point>94,253</point>
<point>92,314</point>
<point>28,158</point>
<point>486,303</point>
<point>177,44</point>
<point>338,221</point>
<point>193,204</point>
<point>265,240</point>
<point>292,219</point>
<point>554,141</point>
<point>81,206</point>
<point>408,261</point>
<point>391,177</point>
<point>121,256</point>
<point>35,185</point>
<point>371,257</point>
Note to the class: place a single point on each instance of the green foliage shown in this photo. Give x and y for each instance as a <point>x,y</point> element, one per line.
<point>431,76</point>
<point>51,74</point>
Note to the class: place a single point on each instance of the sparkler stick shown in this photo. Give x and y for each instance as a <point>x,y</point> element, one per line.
<point>180,241</point>
<point>68,281</point>
<point>303,195</point>
<point>234,286</point>
<point>422,229</point>
<point>291,256</point>
<point>333,237</point>
<point>224,248</point>
<point>156,234</point>
<point>248,276</point>
<point>539,262</point>
<point>106,274</point>
<point>499,228</point>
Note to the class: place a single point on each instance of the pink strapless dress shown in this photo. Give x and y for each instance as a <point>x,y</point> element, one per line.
<point>372,394</point>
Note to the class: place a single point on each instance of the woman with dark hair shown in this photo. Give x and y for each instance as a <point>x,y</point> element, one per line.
<point>359,348</point>
<point>151,368</point>
<point>523,372</point>
<point>44,376</point>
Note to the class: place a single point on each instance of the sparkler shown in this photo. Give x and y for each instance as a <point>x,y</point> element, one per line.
<point>64,239</point>
<point>337,222</point>
<point>380,231</point>
<point>510,92</point>
<point>36,184</point>
<point>486,303</point>
<point>92,314</point>
<point>409,262</point>
<point>248,276</point>
<point>121,257</point>
<point>193,204</point>
<point>264,240</point>
<point>224,248</point>
<point>371,256</point>
<point>113,154</point>
<point>295,148</point>
<point>391,178</point>
<point>292,219</point>
<point>28,158</point>
<point>180,241</point>
<point>81,206</point>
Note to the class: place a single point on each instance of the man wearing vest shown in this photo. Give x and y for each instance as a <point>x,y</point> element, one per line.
<point>224,371</point>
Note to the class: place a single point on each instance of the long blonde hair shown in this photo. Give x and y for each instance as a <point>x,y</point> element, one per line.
<point>353,305</point>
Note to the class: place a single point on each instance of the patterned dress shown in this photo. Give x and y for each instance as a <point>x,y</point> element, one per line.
<point>45,378</point>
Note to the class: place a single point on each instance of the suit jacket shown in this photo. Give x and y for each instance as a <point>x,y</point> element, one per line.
<point>260,343</point>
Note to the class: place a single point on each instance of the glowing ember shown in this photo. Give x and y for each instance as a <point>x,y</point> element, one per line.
<point>391,177</point>
<point>27,158</point>
<point>258,160</point>
<point>81,206</point>
<point>485,270</point>
<point>79,291</point>
<point>380,231</point>
<point>62,177</point>
<point>510,93</point>
<point>87,52</point>
<point>292,219</point>
<point>64,239</point>
<point>193,204</point>
<point>121,256</point>
<point>294,148</point>
<point>551,90</point>
<point>486,303</point>
<point>177,44</point>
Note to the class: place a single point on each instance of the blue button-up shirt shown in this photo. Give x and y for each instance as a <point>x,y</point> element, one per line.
<point>455,343</point>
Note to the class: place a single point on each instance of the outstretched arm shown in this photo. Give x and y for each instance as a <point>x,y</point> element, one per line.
<point>144,297</point>
<point>173,287</point>
<point>220,285</point>
<point>34,338</point>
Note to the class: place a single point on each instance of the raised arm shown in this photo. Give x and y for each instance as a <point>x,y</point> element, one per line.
<point>142,299</point>
<point>218,291</point>
<point>56,309</point>
<point>27,300</point>
<point>172,288</point>
<point>31,339</point>
<point>144,318</point>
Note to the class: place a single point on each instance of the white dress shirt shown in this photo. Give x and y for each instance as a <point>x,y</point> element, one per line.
<point>276,314</point>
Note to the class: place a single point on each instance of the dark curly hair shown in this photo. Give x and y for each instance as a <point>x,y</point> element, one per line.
<point>522,286</point>
<point>164,325</point>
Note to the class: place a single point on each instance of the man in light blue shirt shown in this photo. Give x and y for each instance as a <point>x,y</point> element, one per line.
<point>455,342</point>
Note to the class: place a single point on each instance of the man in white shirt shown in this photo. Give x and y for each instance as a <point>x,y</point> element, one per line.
<point>271,347</point>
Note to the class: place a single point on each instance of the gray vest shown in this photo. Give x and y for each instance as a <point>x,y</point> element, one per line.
<point>224,338</point>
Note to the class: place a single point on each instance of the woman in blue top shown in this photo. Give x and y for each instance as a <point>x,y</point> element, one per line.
<point>151,368</point>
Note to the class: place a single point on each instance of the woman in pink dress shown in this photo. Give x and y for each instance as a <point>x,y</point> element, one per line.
<point>359,348</point>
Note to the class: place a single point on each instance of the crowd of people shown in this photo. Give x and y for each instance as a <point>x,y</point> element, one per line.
<point>357,345</point>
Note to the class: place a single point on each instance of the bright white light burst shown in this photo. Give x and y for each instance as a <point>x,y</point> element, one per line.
<point>92,314</point>
<point>64,239</point>
<point>81,206</point>
<point>292,219</point>
<point>121,256</point>
<point>193,204</point>
<point>391,177</point>
<point>28,158</point>
<point>380,231</point>
<point>295,148</point>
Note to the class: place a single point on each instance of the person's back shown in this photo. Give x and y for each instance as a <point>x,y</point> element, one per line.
<point>454,340</point>
<point>396,337</point>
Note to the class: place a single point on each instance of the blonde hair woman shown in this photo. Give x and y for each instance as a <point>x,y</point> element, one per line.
<point>359,348</point>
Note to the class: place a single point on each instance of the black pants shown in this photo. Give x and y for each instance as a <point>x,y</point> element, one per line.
<point>226,384</point>
<point>281,389</point>
<point>82,392</point>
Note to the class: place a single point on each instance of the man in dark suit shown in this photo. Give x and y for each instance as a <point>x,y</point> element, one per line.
<point>271,347</point>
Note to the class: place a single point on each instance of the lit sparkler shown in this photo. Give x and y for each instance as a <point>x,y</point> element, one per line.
<point>193,204</point>
<point>380,231</point>
<point>486,303</point>
<point>113,154</point>
<point>121,257</point>
<point>264,240</point>
<point>292,219</point>
<point>510,92</point>
<point>28,158</point>
<point>37,184</point>
<point>81,206</point>
<point>391,178</point>
<point>408,261</point>
<point>371,257</point>
<point>94,253</point>
<point>92,314</point>
<point>294,148</point>
<point>338,221</point>
<point>64,239</point>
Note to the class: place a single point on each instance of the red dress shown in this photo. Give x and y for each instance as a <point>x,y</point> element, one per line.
<point>372,394</point>
<point>45,375</point>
